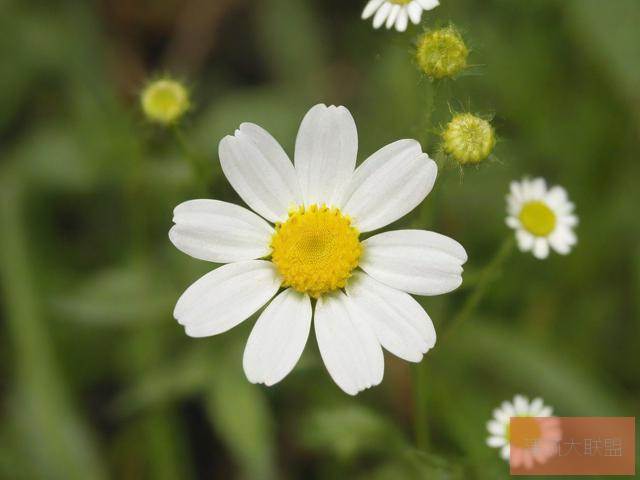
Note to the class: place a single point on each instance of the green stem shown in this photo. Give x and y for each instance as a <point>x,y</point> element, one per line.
<point>430,104</point>
<point>420,406</point>
<point>487,276</point>
<point>195,160</point>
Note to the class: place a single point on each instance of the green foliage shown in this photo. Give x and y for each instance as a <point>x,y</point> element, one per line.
<point>99,381</point>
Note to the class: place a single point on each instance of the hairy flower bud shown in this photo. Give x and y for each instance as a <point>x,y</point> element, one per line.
<point>468,138</point>
<point>441,53</point>
<point>165,101</point>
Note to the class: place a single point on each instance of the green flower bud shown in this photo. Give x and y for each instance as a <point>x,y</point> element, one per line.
<point>468,138</point>
<point>441,53</point>
<point>165,101</point>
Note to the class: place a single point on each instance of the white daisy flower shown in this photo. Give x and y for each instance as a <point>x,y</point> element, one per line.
<point>319,206</point>
<point>397,12</point>
<point>515,451</point>
<point>541,217</point>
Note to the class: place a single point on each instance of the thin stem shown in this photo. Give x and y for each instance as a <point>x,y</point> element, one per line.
<point>487,276</point>
<point>420,407</point>
<point>429,105</point>
<point>197,165</point>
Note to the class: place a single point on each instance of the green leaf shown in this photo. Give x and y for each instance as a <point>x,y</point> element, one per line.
<point>240,414</point>
<point>348,431</point>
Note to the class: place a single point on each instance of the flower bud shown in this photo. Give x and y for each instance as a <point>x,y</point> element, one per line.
<point>441,53</point>
<point>468,138</point>
<point>164,101</point>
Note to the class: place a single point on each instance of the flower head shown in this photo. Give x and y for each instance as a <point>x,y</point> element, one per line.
<point>468,138</point>
<point>441,53</point>
<point>397,12</point>
<point>305,242</point>
<point>165,101</point>
<point>541,425</point>
<point>541,217</point>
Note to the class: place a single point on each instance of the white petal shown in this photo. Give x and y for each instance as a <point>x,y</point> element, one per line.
<point>278,338</point>
<point>535,407</point>
<point>326,150</point>
<point>521,405</point>
<point>496,441</point>
<point>514,206</point>
<point>568,220</point>
<point>546,412</point>
<point>219,231</point>
<point>502,416</point>
<point>428,4</point>
<point>562,239</point>
<point>391,19</point>
<point>349,348</point>
<point>538,188</point>
<point>381,15</point>
<point>415,261</point>
<point>400,323</point>
<point>415,12</point>
<point>508,410</point>
<point>557,197</point>
<point>389,184</point>
<point>402,20</point>
<point>223,298</point>
<point>525,240</point>
<point>541,248</point>
<point>371,7</point>
<point>516,190</point>
<point>496,428</point>
<point>260,171</point>
<point>505,451</point>
<point>513,222</point>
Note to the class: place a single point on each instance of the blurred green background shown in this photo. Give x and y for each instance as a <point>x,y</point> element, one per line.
<point>96,378</point>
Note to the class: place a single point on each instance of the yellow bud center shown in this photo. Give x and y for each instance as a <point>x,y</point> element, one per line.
<point>468,138</point>
<point>527,429</point>
<point>537,218</point>
<point>316,250</point>
<point>165,101</point>
<point>441,53</point>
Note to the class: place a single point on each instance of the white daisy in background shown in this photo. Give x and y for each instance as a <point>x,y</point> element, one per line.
<point>397,12</point>
<point>512,450</point>
<point>319,206</point>
<point>541,217</point>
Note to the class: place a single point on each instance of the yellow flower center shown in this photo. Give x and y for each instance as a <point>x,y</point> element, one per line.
<point>468,138</point>
<point>400,2</point>
<point>527,429</point>
<point>538,218</point>
<point>316,250</point>
<point>165,101</point>
<point>441,53</point>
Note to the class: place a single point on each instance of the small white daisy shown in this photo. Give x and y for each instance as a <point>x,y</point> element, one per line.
<point>541,217</point>
<point>397,12</point>
<point>313,255</point>
<point>499,429</point>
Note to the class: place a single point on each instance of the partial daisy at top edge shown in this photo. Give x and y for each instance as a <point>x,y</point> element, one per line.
<point>397,13</point>
<point>302,240</point>
<point>543,218</point>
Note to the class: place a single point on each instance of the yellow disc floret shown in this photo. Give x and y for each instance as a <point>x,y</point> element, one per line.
<point>165,101</point>
<point>468,138</point>
<point>441,53</point>
<point>537,218</point>
<point>316,250</point>
<point>401,2</point>
<point>528,428</point>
